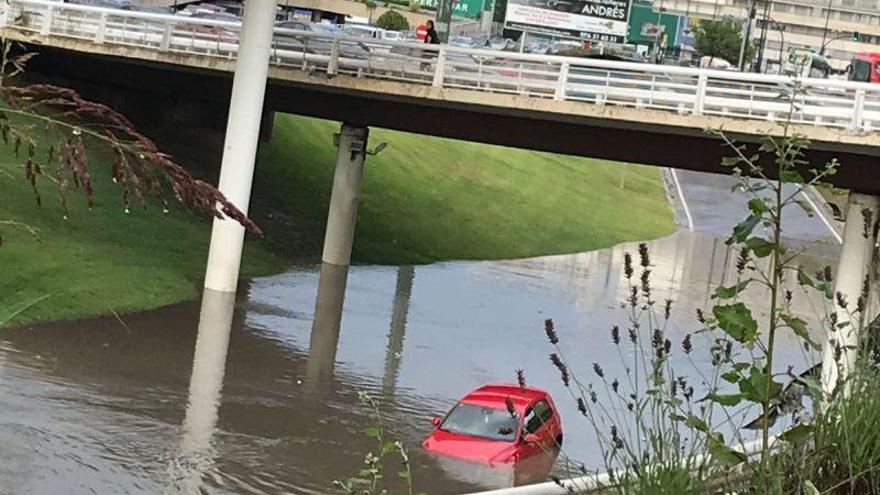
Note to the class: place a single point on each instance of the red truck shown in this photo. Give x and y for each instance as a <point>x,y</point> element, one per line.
<point>865,67</point>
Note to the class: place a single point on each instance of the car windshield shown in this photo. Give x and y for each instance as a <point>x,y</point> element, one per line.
<point>481,421</point>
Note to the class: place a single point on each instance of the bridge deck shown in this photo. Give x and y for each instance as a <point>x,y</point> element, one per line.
<point>629,112</point>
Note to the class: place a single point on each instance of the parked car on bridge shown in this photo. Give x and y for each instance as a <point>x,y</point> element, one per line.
<point>501,43</point>
<point>222,34</point>
<point>318,46</point>
<point>498,424</point>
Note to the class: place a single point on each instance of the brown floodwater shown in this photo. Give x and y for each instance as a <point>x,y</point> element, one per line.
<point>260,395</point>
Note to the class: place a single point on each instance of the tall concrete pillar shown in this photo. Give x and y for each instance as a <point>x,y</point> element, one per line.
<point>856,257</point>
<point>242,136</point>
<point>325,326</point>
<point>352,146</point>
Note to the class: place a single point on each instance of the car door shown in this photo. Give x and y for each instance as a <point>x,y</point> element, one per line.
<point>539,420</point>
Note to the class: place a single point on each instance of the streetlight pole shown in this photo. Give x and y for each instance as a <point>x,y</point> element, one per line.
<point>763,36</point>
<point>825,29</point>
<point>748,34</point>
<point>781,30</point>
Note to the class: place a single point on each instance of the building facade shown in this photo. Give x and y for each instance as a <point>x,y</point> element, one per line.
<point>791,24</point>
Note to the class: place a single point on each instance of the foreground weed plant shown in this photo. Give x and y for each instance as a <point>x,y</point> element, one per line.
<point>370,480</point>
<point>664,430</point>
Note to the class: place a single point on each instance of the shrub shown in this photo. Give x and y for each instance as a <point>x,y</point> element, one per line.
<point>392,20</point>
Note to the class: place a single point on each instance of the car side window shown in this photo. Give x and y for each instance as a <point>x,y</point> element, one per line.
<point>544,411</point>
<point>536,415</point>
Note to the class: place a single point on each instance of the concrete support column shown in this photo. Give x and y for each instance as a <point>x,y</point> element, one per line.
<point>242,136</point>
<point>854,267</point>
<point>352,144</point>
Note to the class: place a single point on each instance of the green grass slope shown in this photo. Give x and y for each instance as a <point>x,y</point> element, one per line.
<point>103,260</point>
<point>426,199</point>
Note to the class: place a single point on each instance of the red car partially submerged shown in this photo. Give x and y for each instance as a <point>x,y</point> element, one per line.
<point>498,424</point>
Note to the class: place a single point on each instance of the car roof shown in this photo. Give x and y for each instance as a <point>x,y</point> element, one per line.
<point>495,395</point>
<point>868,55</point>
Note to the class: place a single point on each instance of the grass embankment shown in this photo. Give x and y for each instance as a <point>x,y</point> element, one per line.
<point>427,199</point>
<point>102,260</point>
<point>424,199</point>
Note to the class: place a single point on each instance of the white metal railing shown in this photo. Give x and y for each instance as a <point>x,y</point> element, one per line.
<point>830,103</point>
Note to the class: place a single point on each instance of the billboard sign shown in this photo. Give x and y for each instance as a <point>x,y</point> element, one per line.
<point>594,20</point>
<point>463,8</point>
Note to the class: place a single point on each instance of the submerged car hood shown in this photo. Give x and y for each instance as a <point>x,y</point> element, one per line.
<point>471,448</point>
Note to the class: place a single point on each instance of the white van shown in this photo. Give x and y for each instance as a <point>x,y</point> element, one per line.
<point>364,31</point>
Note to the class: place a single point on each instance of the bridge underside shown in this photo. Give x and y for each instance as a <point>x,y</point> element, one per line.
<point>620,134</point>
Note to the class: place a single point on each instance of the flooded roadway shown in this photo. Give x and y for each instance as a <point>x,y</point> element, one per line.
<point>163,404</point>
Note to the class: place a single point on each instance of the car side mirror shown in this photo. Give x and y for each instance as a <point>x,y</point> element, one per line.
<point>435,421</point>
<point>530,438</point>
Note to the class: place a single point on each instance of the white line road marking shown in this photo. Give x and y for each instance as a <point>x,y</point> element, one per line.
<point>684,205</point>
<point>822,217</point>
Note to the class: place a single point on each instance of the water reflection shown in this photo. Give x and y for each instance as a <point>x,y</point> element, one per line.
<point>397,330</point>
<point>197,451</point>
<point>94,406</point>
<point>325,325</point>
<point>532,469</point>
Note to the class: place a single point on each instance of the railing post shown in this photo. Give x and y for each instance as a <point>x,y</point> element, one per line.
<point>700,96</point>
<point>166,36</point>
<point>561,83</point>
<point>439,68</point>
<point>858,106</point>
<point>102,28</point>
<point>333,64</point>
<point>46,28</point>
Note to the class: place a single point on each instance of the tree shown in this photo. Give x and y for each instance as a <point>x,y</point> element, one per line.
<point>721,39</point>
<point>393,21</point>
<point>371,7</point>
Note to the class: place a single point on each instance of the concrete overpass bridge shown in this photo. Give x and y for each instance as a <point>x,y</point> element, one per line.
<point>620,111</point>
<point>575,106</point>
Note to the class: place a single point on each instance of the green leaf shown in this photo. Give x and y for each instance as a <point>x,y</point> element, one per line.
<point>768,144</point>
<point>730,161</point>
<point>731,291</point>
<point>727,400</point>
<point>813,384</point>
<point>761,247</point>
<point>371,431</point>
<point>696,423</point>
<point>810,488</point>
<point>757,206</point>
<point>805,279</point>
<point>796,434</point>
<point>744,229</point>
<point>789,175</point>
<point>389,447</point>
<point>723,454</point>
<point>741,366</point>
<point>799,327</point>
<point>736,320</point>
<point>826,288</point>
<point>731,377</point>
<point>754,387</point>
